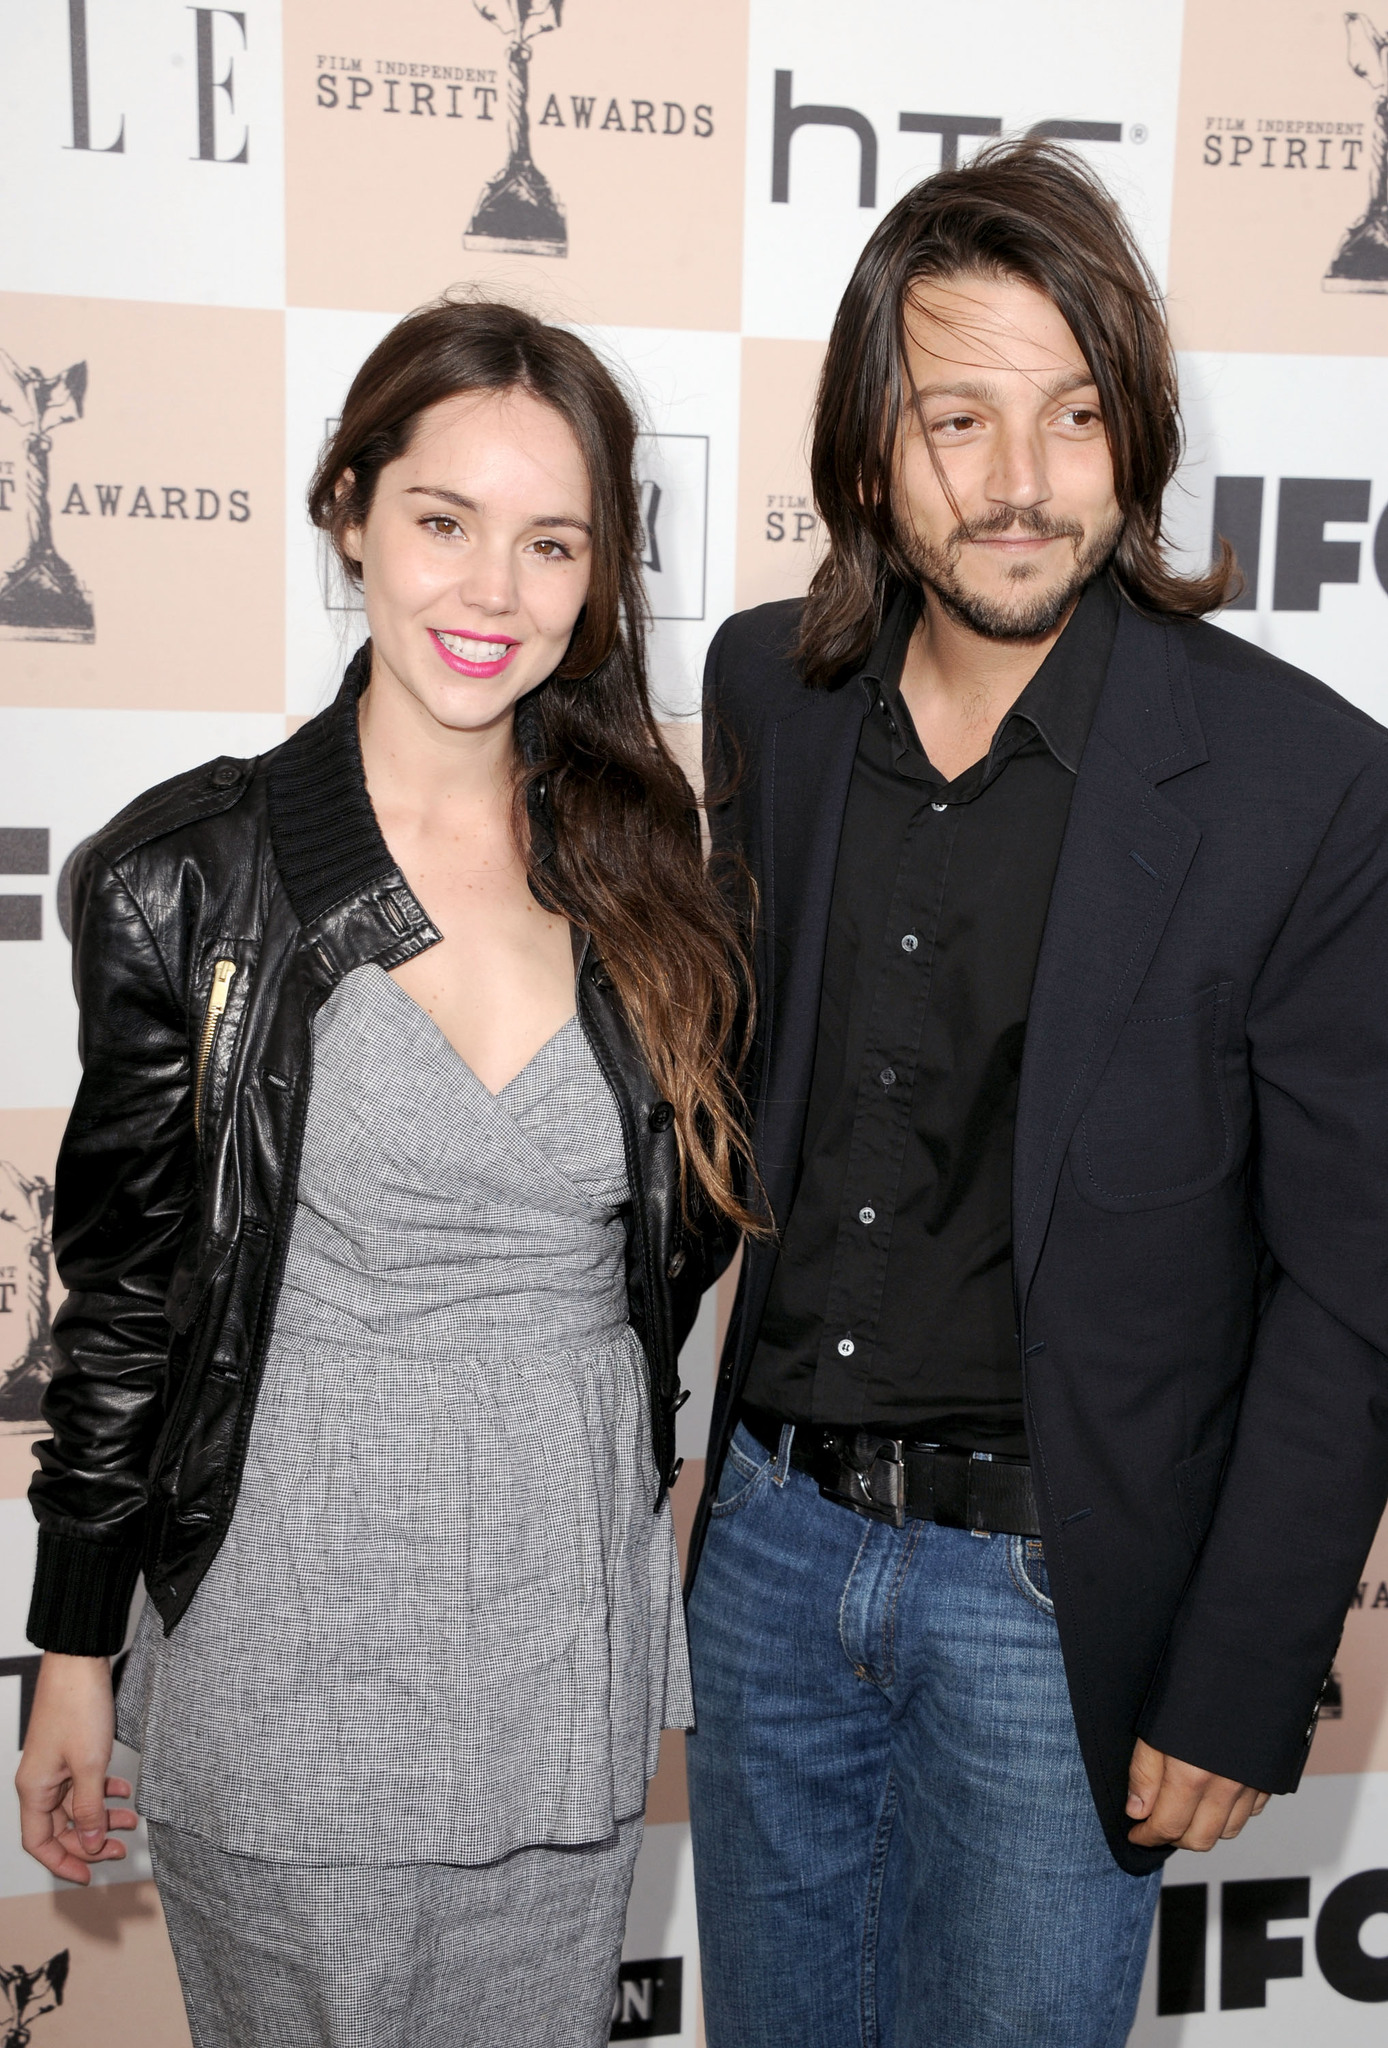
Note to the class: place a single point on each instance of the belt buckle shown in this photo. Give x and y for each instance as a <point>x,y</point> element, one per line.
<point>871,1477</point>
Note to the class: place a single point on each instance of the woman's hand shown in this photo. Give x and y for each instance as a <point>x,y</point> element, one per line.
<point>62,1783</point>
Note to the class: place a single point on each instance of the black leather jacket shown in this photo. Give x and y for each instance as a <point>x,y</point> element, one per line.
<point>211,920</point>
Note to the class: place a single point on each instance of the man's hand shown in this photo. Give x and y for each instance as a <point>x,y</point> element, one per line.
<point>62,1783</point>
<point>1182,1807</point>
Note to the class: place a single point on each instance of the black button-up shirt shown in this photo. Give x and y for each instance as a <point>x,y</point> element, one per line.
<point>891,1306</point>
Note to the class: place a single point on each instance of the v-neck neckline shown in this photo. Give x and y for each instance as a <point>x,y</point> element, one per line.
<point>493,1095</point>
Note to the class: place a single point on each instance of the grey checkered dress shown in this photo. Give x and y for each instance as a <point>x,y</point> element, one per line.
<point>445,1623</point>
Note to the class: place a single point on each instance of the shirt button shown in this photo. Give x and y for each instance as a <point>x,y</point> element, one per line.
<point>909,943</point>
<point>845,1347</point>
<point>887,1076</point>
<point>939,807</point>
<point>867,1215</point>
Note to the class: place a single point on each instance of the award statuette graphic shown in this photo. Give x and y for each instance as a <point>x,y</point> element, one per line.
<point>518,214</point>
<point>40,597</point>
<point>1360,264</point>
<point>22,1996</point>
<point>27,1357</point>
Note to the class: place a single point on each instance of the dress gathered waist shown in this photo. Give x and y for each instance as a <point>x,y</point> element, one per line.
<point>472,1334</point>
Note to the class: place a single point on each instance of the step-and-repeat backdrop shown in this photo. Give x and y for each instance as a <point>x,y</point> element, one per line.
<point>210,214</point>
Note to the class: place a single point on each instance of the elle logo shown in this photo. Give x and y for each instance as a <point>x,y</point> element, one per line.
<point>207,34</point>
<point>1350,1951</point>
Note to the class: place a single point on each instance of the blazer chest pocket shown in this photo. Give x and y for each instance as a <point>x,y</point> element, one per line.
<point>1158,1128</point>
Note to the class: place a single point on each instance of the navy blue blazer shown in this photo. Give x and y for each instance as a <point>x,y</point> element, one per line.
<point>1200,1180</point>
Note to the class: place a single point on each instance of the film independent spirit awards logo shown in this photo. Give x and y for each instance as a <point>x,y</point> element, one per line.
<point>41,598</point>
<point>518,213</point>
<point>27,1356</point>
<point>25,1995</point>
<point>1360,264</point>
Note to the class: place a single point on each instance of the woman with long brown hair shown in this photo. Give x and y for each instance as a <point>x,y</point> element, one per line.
<point>405,1147</point>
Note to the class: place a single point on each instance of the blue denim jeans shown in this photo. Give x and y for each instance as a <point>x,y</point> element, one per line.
<point>894,1840</point>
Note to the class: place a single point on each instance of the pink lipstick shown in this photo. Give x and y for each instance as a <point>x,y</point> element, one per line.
<point>474,654</point>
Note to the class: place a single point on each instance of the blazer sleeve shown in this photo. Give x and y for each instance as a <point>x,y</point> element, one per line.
<point>123,1195</point>
<point>1307,1474</point>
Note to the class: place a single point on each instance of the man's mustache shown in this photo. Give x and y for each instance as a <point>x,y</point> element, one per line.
<point>1027,519</point>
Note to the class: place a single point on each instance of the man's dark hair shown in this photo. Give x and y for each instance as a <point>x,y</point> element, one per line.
<point>1028,210</point>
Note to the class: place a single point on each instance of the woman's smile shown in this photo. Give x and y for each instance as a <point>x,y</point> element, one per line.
<point>471,655</point>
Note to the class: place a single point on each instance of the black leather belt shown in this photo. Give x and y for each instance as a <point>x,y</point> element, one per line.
<point>898,1479</point>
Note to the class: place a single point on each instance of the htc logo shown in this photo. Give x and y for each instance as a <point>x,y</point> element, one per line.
<point>951,129</point>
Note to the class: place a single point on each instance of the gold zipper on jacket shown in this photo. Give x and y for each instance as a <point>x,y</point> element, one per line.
<point>222,972</point>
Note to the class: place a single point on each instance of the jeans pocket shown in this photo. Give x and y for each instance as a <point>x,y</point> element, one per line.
<point>745,1466</point>
<point>1026,1561</point>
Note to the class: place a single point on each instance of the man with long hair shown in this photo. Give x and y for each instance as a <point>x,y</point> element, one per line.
<point>1052,1427</point>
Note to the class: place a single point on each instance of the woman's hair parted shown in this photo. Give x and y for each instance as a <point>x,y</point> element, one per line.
<point>626,867</point>
<point>1028,210</point>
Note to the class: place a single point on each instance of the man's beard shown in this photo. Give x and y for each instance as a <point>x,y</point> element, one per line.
<point>1037,616</point>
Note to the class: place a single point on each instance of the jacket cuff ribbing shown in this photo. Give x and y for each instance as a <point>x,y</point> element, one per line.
<point>82,1595</point>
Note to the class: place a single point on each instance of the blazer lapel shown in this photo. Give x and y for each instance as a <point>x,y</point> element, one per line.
<point>1126,853</point>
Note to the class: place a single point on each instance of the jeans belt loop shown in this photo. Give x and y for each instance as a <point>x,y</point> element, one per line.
<point>780,1470</point>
